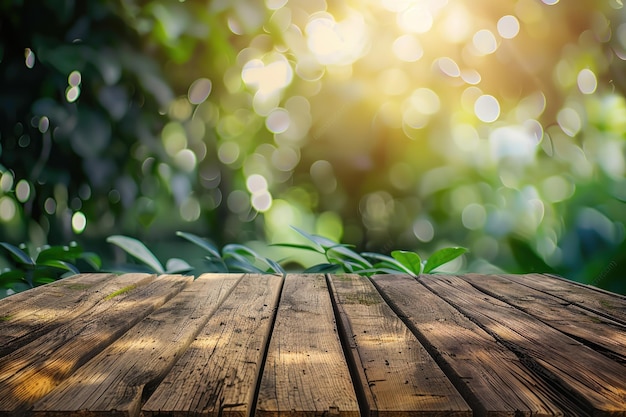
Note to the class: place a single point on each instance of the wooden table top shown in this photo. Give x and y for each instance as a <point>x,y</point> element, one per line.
<point>313,345</point>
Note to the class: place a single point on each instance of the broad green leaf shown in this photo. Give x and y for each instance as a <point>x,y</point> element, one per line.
<point>215,265</point>
<point>442,256</point>
<point>298,246</point>
<point>138,250</point>
<point>274,266</point>
<point>92,259</point>
<point>203,243</point>
<point>387,262</point>
<point>239,249</point>
<point>242,265</point>
<point>321,243</point>
<point>354,267</point>
<point>322,269</point>
<point>347,253</point>
<point>21,256</point>
<point>378,270</point>
<point>44,280</point>
<point>177,266</point>
<point>410,260</point>
<point>60,265</point>
<point>20,286</point>
<point>12,275</point>
<point>59,253</point>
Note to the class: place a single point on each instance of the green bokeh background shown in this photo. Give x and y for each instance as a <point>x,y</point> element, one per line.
<point>409,124</point>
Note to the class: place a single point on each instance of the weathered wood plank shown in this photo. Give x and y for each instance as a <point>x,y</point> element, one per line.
<point>575,370</point>
<point>305,373</point>
<point>30,314</point>
<point>113,381</point>
<point>586,326</point>
<point>218,374</point>
<point>33,370</point>
<point>492,379</point>
<point>399,377</point>
<point>585,296</point>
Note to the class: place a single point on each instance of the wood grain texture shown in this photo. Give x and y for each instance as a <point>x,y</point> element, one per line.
<point>33,370</point>
<point>492,379</point>
<point>599,301</point>
<point>114,380</point>
<point>306,372</point>
<point>595,381</point>
<point>586,326</point>
<point>26,316</point>
<point>218,374</point>
<point>401,379</point>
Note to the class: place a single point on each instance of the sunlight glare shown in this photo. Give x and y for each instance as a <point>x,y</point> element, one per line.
<point>199,90</point>
<point>275,4</point>
<point>514,142</point>
<point>425,100</point>
<point>587,81</point>
<point>416,19</point>
<point>336,43</point>
<point>471,76</point>
<point>256,183</point>
<point>456,27</point>
<point>393,81</point>
<point>268,79</point>
<point>569,121</point>
<point>7,209</point>
<point>29,58</point>
<point>508,27</point>
<point>278,121</point>
<point>487,108</point>
<point>79,222</point>
<point>423,229</point>
<point>448,66</point>
<point>408,48</point>
<point>484,42</point>
<point>396,5</point>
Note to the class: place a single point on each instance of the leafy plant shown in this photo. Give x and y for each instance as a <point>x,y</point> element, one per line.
<point>46,264</point>
<point>233,257</point>
<point>140,252</point>
<point>341,258</point>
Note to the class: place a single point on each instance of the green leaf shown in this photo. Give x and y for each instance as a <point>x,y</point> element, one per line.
<point>322,269</point>
<point>347,253</point>
<point>215,265</point>
<point>92,259</point>
<point>322,244</point>
<point>442,256</point>
<point>44,280</point>
<point>59,253</point>
<point>177,266</point>
<point>54,263</point>
<point>274,266</point>
<point>387,262</point>
<point>378,270</point>
<point>21,256</point>
<point>203,243</point>
<point>138,250</point>
<point>14,275</point>
<point>238,264</point>
<point>410,260</point>
<point>298,246</point>
<point>235,248</point>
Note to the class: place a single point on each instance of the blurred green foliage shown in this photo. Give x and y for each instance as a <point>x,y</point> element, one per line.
<point>387,124</point>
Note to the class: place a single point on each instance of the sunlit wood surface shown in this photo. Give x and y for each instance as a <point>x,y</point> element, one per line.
<point>313,345</point>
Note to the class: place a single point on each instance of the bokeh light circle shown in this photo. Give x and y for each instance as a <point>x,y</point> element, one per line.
<point>487,108</point>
